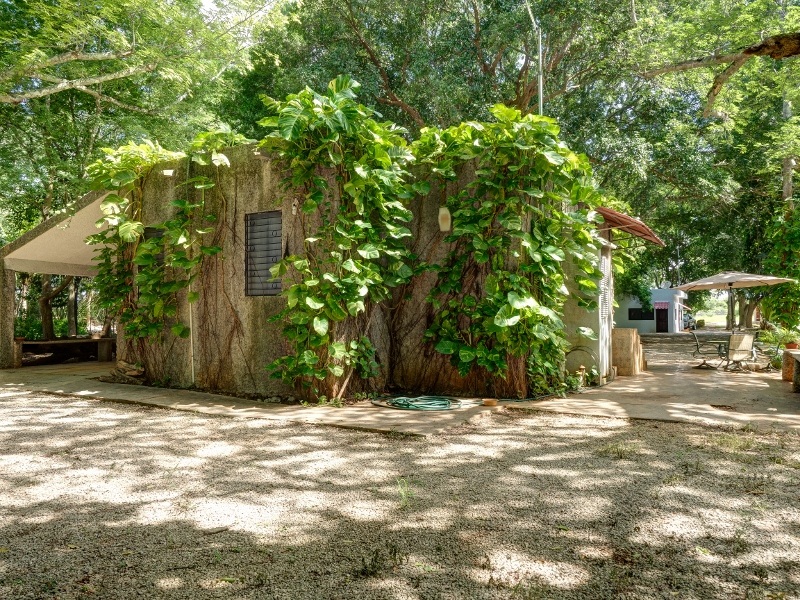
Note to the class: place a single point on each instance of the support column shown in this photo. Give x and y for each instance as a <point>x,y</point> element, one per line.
<point>7,286</point>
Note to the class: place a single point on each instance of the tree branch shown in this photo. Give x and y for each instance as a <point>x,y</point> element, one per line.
<point>392,99</point>
<point>74,84</point>
<point>720,80</point>
<point>65,57</point>
<point>780,46</point>
<point>99,95</point>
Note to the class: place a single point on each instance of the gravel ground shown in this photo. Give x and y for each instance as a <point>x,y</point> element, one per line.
<point>103,500</point>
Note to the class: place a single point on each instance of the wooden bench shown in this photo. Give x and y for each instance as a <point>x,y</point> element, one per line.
<point>103,347</point>
<point>795,355</point>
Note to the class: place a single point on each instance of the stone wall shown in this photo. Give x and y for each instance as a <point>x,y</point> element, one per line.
<point>232,339</point>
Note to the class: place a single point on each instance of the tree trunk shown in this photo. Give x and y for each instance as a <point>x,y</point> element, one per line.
<point>787,170</point>
<point>106,331</point>
<point>45,308</point>
<point>72,308</point>
<point>741,301</point>
<point>749,313</point>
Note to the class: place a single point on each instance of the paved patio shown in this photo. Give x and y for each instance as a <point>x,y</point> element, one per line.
<point>669,391</point>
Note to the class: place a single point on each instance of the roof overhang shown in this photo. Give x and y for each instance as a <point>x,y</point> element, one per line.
<point>628,224</point>
<point>58,246</point>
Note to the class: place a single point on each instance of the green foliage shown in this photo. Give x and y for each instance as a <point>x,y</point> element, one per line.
<point>782,303</point>
<point>528,209</point>
<point>141,279</point>
<point>355,253</point>
<point>29,326</point>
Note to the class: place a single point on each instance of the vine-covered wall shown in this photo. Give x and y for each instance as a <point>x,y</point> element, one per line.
<point>231,339</point>
<point>373,292</point>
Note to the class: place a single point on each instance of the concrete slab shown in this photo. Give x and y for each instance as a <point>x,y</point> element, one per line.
<point>77,380</point>
<point>671,390</point>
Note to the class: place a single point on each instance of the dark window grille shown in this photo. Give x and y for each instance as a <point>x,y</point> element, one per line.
<point>155,232</point>
<point>262,241</point>
<point>637,314</point>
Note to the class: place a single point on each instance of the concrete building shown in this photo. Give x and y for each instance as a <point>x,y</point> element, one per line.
<point>666,316</point>
<point>231,337</point>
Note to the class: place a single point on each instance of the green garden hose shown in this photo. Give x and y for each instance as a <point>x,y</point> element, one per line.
<point>419,403</point>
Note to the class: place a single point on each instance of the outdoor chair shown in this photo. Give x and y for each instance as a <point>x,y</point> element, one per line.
<point>740,350</point>
<point>708,351</point>
<point>767,351</point>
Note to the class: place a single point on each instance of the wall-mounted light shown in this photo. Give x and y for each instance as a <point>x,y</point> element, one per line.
<point>168,172</point>
<point>444,219</point>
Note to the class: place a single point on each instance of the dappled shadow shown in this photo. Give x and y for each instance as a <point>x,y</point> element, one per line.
<point>103,500</point>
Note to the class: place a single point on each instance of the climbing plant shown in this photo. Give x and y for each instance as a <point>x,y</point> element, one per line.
<point>526,211</point>
<point>347,174</point>
<point>139,279</point>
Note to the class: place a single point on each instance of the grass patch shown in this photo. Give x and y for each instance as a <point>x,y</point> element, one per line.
<point>619,450</point>
<point>733,442</point>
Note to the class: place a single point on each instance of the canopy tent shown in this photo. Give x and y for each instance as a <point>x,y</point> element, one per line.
<point>730,280</point>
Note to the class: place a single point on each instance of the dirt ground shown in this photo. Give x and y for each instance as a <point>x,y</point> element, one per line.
<point>105,500</point>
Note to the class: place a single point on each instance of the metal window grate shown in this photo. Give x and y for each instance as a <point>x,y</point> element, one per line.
<point>155,232</point>
<point>262,240</point>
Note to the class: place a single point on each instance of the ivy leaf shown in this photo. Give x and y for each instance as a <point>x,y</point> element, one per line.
<point>369,251</point>
<point>130,231</point>
<point>505,317</point>
<point>466,354</point>
<point>193,297</point>
<point>554,253</point>
<point>446,347</point>
<point>349,265</point>
<point>220,159</point>
<point>520,302</point>
<point>337,350</point>
<point>180,330</point>
<point>309,357</point>
<point>158,308</point>
<point>554,158</point>
<point>587,332</point>
<point>313,303</point>
<point>336,370</point>
<point>320,325</point>
<point>423,188</point>
<point>355,307</point>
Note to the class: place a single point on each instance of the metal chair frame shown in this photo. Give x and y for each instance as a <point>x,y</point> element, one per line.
<point>704,349</point>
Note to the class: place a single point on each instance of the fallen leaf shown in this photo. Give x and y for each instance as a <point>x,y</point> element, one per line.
<point>2,550</point>
<point>71,546</point>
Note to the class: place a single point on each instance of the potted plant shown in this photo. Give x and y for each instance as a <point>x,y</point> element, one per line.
<point>780,336</point>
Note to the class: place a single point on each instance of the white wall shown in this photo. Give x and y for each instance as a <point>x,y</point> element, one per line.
<point>675,312</point>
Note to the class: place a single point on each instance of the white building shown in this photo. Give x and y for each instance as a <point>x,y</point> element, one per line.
<point>666,316</point>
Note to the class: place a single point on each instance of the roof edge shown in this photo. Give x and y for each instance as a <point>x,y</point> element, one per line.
<point>52,222</point>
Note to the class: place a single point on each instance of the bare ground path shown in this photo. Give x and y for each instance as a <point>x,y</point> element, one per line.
<point>103,500</point>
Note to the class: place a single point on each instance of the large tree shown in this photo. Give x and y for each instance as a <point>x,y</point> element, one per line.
<point>76,76</point>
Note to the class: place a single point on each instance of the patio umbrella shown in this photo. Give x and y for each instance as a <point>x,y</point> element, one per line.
<point>733,279</point>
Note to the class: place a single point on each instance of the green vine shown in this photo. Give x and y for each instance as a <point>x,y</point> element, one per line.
<point>139,279</point>
<point>347,172</point>
<point>501,292</point>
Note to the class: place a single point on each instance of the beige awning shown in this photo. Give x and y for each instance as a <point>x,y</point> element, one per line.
<point>57,246</point>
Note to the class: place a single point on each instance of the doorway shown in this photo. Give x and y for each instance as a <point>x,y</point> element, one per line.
<point>662,320</point>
